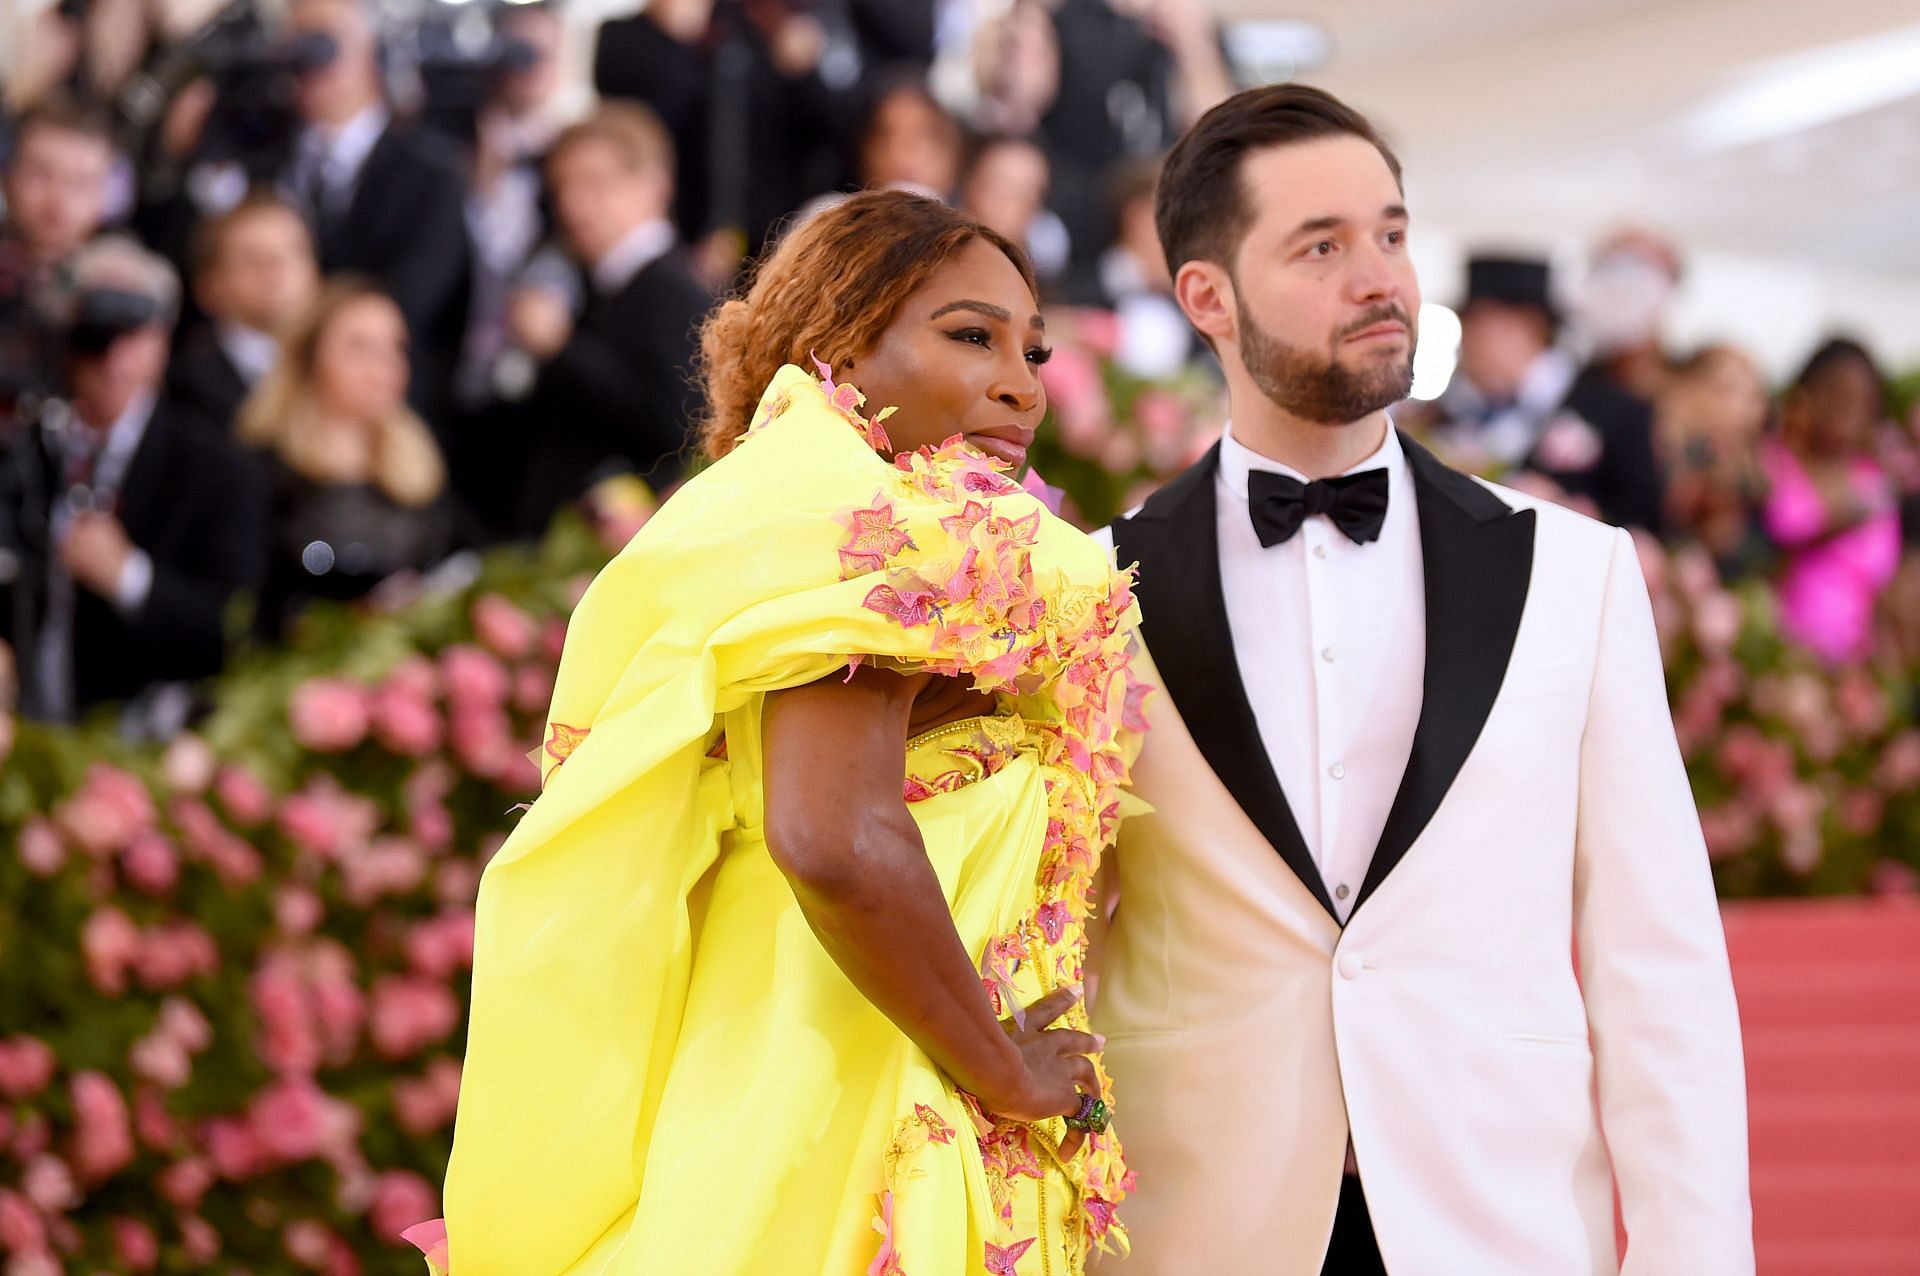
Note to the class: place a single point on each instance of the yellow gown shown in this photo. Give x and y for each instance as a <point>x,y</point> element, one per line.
<point>665,1072</point>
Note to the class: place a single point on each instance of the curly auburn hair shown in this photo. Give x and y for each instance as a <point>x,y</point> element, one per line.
<point>830,289</point>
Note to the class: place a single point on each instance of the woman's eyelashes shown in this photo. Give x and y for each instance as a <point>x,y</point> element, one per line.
<point>1036,355</point>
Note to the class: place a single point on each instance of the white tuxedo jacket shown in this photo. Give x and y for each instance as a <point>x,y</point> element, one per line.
<point>1530,999</point>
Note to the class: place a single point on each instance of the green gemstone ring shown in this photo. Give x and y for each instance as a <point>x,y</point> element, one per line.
<point>1093,1116</point>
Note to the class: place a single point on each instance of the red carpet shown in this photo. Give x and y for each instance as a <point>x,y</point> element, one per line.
<point>1830,1006</point>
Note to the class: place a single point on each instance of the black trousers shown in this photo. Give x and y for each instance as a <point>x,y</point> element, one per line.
<point>1353,1250</point>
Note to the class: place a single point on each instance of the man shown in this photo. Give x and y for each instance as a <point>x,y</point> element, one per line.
<point>1418,953</point>
<point>55,187</point>
<point>1519,399</point>
<point>615,387</point>
<point>137,526</point>
<point>384,201</point>
<point>253,274</point>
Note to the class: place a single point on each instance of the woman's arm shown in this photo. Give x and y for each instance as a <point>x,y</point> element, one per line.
<point>839,829</point>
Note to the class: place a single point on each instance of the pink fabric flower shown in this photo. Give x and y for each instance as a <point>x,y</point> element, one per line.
<point>136,1244</point>
<point>103,1132</point>
<point>107,810</point>
<point>502,627</point>
<point>150,864</point>
<point>472,676</point>
<point>401,1199</point>
<point>329,715</point>
<point>242,794</point>
<point>40,847</point>
<point>430,1238</point>
<point>409,1014</point>
<point>26,1066</point>
<point>109,944</point>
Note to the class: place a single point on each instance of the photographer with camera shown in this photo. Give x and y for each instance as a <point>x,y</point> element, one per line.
<point>131,526</point>
<point>384,200</point>
<point>55,183</point>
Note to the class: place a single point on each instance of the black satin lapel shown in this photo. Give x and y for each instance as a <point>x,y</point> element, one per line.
<point>1478,562</point>
<point>1175,540</point>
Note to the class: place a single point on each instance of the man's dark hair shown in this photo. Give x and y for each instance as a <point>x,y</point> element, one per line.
<point>1201,209</point>
<point>63,115</point>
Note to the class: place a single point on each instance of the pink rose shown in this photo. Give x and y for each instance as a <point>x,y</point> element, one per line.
<point>246,799</point>
<point>417,675</point>
<point>1078,394</point>
<point>106,811</point>
<point>1891,877</point>
<point>150,864</point>
<point>482,739</point>
<point>405,721</point>
<point>533,689</point>
<point>431,826</point>
<point>1860,811</point>
<point>401,1198</point>
<point>136,1244</point>
<point>387,866</point>
<point>289,1040</point>
<point>456,882</point>
<point>103,1133</point>
<point>294,1120</point>
<point>409,1014</point>
<point>173,953</point>
<point>110,944</point>
<point>439,946</point>
<point>306,1243</point>
<point>34,1137</point>
<point>323,818</point>
<point>231,1146</point>
<point>472,676</point>
<point>1899,768</point>
<point>40,847</point>
<point>161,1060</point>
<point>26,1066</point>
<point>39,1263</point>
<point>427,1103</point>
<point>297,911</point>
<point>49,1184</point>
<point>152,1122</point>
<point>553,638</point>
<point>21,1231</point>
<point>341,1009</point>
<point>200,1241</point>
<point>1862,705</point>
<point>185,1183</point>
<point>502,627</point>
<point>188,764</point>
<point>1717,619</point>
<point>329,715</point>
<point>181,1021</point>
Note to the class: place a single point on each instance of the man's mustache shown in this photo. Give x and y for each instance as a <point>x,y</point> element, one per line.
<point>1379,314</point>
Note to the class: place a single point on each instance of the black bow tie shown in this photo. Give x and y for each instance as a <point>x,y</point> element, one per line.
<point>1357,504</point>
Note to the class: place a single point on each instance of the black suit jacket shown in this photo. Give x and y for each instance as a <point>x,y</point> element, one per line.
<point>202,380</point>
<point>1624,481</point>
<point>406,226</point>
<point>621,391</point>
<point>198,508</point>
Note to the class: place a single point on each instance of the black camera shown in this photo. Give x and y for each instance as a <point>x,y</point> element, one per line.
<point>101,316</point>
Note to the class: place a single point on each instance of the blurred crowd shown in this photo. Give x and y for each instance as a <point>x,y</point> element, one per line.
<point>308,301</point>
<point>1813,489</point>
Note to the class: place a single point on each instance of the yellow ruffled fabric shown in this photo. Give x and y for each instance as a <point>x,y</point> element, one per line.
<point>665,1072</point>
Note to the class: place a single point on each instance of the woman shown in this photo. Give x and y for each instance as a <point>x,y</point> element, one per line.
<point>767,981</point>
<point>358,484</point>
<point>1708,422</point>
<point>1832,509</point>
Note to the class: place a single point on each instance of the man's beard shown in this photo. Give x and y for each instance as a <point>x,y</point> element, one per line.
<point>1320,388</point>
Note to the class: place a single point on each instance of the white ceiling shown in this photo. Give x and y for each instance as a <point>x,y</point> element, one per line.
<point>1778,132</point>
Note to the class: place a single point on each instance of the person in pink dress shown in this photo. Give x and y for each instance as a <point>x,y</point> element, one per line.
<point>1832,508</point>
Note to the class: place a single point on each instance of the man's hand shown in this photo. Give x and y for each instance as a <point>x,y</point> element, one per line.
<point>95,552</point>
<point>540,321</point>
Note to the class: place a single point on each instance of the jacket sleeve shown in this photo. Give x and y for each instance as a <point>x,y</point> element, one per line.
<point>1653,965</point>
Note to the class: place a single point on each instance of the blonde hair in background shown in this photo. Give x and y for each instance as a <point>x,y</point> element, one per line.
<point>632,131</point>
<point>281,415</point>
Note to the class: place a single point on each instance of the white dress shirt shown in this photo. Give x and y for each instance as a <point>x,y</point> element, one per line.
<point>637,249</point>
<point>331,159</point>
<point>251,351</point>
<point>1330,638</point>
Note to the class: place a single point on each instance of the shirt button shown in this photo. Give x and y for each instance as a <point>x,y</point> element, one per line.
<point>1326,654</point>
<point>1338,770</point>
<point>1319,551</point>
<point>1340,891</point>
<point>1350,965</point>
